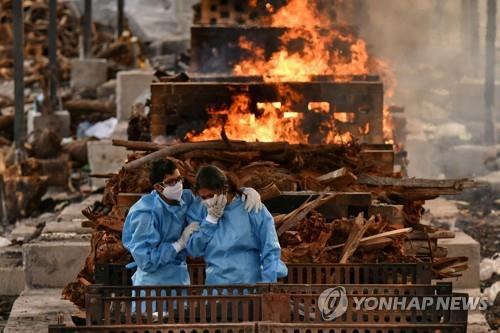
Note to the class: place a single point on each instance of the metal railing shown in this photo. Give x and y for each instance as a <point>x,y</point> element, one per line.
<point>381,273</point>
<point>281,303</point>
<point>263,327</point>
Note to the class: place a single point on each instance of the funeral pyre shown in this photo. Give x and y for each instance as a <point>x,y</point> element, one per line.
<point>306,234</point>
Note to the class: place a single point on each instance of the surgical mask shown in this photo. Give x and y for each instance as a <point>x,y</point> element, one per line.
<point>173,192</point>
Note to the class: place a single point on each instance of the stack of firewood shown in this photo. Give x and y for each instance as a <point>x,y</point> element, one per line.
<point>47,163</point>
<point>36,23</point>
<point>305,234</point>
<point>122,51</point>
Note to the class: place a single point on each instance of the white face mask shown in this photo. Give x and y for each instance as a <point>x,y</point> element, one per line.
<point>173,192</point>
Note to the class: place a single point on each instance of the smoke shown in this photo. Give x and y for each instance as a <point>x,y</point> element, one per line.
<point>437,59</point>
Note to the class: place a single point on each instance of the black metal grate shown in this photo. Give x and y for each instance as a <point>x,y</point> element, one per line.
<point>382,273</point>
<point>264,328</point>
<point>284,303</point>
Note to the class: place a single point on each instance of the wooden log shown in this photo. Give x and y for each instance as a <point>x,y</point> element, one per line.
<point>269,192</point>
<point>421,235</point>
<point>47,144</point>
<point>208,145</point>
<point>413,183</point>
<point>340,177</point>
<point>374,237</point>
<point>138,145</point>
<point>6,121</point>
<point>291,220</point>
<point>358,230</point>
<point>87,105</point>
<point>450,266</point>
<point>77,150</point>
<point>413,249</point>
<point>375,244</point>
<point>224,156</point>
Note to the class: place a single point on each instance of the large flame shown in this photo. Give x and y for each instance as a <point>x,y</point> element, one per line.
<point>310,46</point>
<point>239,123</point>
<point>316,56</point>
<point>274,122</point>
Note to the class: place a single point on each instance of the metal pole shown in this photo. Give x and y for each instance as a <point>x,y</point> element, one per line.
<point>489,91</point>
<point>119,23</point>
<point>87,30</point>
<point>19,122</point>
<point>53,82</point>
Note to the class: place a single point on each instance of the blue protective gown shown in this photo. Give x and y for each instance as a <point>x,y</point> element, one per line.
<point>150,228</point>
<point>242,248</point>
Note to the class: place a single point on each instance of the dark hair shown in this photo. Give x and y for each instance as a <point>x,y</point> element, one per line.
<point>210,177</point>
<point>161,168</point>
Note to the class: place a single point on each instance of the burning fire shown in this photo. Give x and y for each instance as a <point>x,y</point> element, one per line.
<point>239,123</point>
<point>316,57</point>
<point>270,123</point>
<point>310,46</point>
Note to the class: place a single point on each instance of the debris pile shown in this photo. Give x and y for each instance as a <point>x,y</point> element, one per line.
<point>36,39</point>
<point>316,240</point>
<point>305,234</point>
<point>122,51</point>
<point>48,163</point>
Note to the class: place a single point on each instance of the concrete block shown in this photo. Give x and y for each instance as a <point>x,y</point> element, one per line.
<point>88,73</point>
<point>130,86</point>
<point>466,160</point>
<point>11,271</point>
<point>67,227</point>
<point>53,264</point>
<point>464,245</point>
<point>104,158</point>
<point>60,121</point>
<point>35,309</point>
<point>73,212</point>
<point>11,281</point>
<point>11,257</point>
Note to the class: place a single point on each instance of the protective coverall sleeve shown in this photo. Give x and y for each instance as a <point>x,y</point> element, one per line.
<point>272,266</point>
<point>142,239</point>
<point>198,241</point>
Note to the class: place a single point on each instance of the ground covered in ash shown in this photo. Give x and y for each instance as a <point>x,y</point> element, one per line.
<point>479,217</point>
<point>486,229</point>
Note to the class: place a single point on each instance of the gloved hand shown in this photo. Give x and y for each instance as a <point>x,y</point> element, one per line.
<point>215,207</point>
<point>252,200</point>
<point>181,242</point>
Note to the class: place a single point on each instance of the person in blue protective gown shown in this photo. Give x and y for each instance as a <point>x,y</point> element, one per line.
<point>239,247</point>
<point>157,227</point>
<point>155,230</point>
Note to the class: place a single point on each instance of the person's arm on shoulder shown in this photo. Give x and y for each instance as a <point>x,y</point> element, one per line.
<point>142,239</point>
<point>252,200</point>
